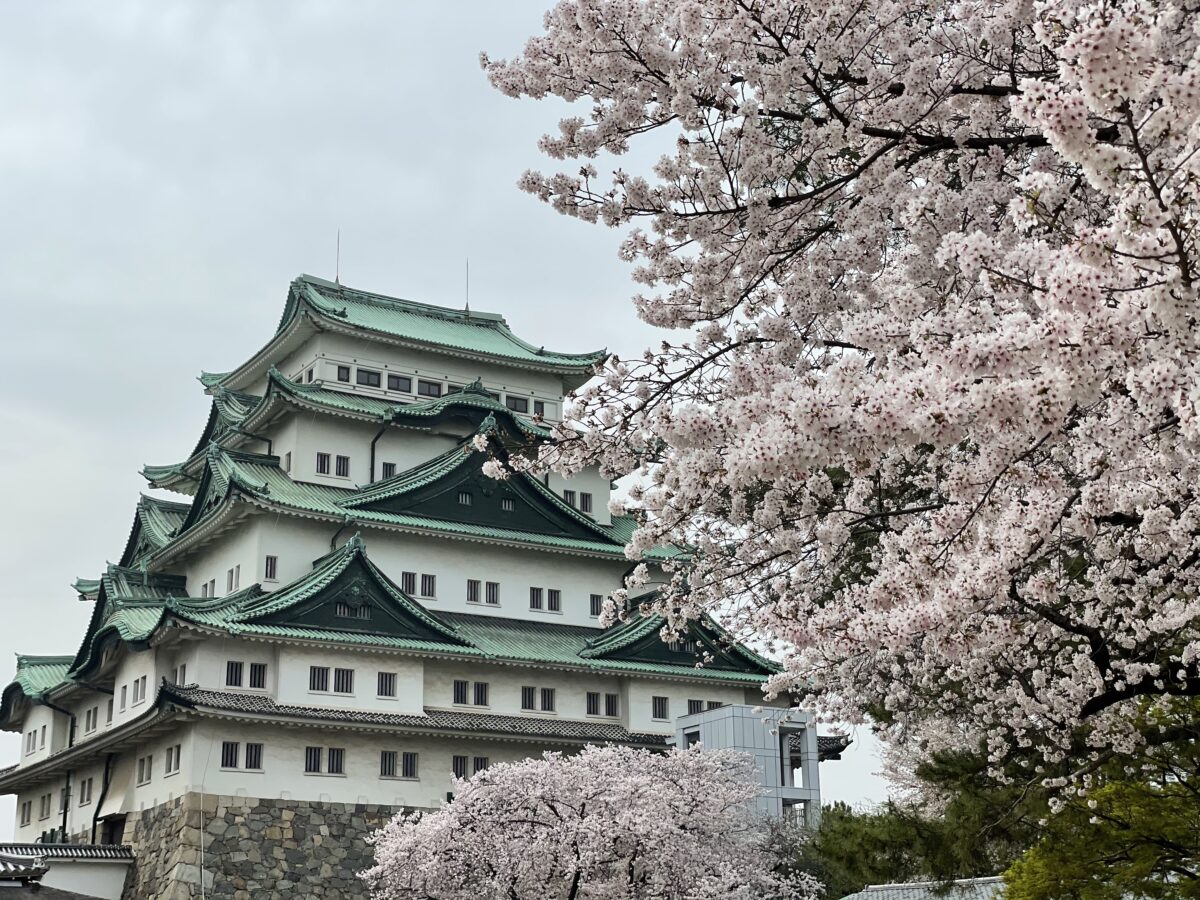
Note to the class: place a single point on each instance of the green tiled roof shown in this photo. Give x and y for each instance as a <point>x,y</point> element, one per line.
<point>208,379</point>
<point>155,523</point>
<point>87,587</point>
<point>475,333</point>
<point>37,675</point>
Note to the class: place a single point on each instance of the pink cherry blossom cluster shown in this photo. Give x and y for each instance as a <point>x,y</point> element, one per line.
<point>609,823</point>
<point>931,427</point>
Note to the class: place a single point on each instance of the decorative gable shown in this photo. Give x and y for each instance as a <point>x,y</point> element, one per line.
<point>704,643</point>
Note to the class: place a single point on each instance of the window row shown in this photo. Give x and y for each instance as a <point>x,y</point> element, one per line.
<point>341,465</point>
<point>31,740</point>
<point>375,378</point>
<point>581,500</point>
<point>549,599</point>
<point>408,584</point>
<point>236,671</point>
<point>466,693</point>
<point>232,756</point>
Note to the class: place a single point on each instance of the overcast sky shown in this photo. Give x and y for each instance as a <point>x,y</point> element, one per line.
<point>166,168</point>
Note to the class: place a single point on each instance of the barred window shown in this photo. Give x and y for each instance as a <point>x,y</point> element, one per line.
<point>387,684</point>
<point>466,498</point>
<point>343,681</point>
<point>389,470</point>
<point>554,600</point>
<point>481,763</point>
<point>460,691</point>
<point>593,703</point>
<point>535,598</point>
<point>233,676</point>
<point>595,605</point>
<point>322,463</point>
<point>318,678</point>
<point>612,704</point>
<point>547,699</point>
<point>271,568</point>
<point>337,761</point>
<point>715,704</point>
<point>387,764</point>
<point>481,693</point>
<point>230,754</point>
<point>408,765</point>
<point>428,585</point>
<point>585,502</point>
<point>459,766</point>
<point>528,695</point>
<point>569,496</point>
<point>661,708</point>
<point>408,583</point>
<point>695,706</point>
<point>343,467</point>
<point>472,591</point>
<point>258,675</point>
<point>492,594</point>
<point>507,504</point>
<point>312,759</point>
<point>254,756</point>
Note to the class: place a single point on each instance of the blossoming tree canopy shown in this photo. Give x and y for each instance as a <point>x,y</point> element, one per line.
<point>609,823</point>
<point>933,423</point>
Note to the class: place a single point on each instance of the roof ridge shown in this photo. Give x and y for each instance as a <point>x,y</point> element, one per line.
<point>471,317</point>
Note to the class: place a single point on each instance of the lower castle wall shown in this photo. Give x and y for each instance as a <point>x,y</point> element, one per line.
<point>251,848</point>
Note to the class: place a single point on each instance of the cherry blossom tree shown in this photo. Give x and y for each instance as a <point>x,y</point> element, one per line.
<point>931,424</point>
<point>610,822</point>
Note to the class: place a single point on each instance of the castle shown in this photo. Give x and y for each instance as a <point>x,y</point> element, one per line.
<point>341,611</point>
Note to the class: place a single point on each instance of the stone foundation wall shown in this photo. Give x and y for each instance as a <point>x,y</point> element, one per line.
<point>251,848</point>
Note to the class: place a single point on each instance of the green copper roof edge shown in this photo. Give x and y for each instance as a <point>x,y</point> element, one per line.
<point>328,308</point>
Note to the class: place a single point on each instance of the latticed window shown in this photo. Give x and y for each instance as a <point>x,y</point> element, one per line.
<point>342,467</point>
<point>535,598</point>
<point>322,463</point>
<point>481,763</point>
<point>547,699</point>
<point>459,766</point>
<point>460,691</point>
<point>254,756</point>
<point>258,675</point>
<point>595,604</point>
<point>387,684</point>
<point>528,695</point>
<point>481,693</point>
<point>428,585</point>
<point>660,708</point>
<point>387,764</point>
<point>695,706</point>
<point>312,759</point>
<point>233,676</point>
<point>318,678</point>
<point>593,703</point>
<point>230,753</point>
<point>408,765</point>
<point>472,591</point>
<point>493,593</point>
<point>408,582</point>
<point>554,600</point>
<point>337,761</point>
<point>343,681</point>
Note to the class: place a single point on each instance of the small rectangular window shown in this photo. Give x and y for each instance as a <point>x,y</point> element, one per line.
<point>337,761</point>
<point>408,765</point>
<point>585,502</point>
<point>312,759</point>
<point>472,591</point>
<point>459,766</point>
<point>408,583</point>
<point>85,792</point>
<point>492,594</point>
<point>367,378</point>
<point>517,404</point>
<point>695,706</point>
<point>428,585</point>
<point>535,598</point>
<point>181,674</point>
<point>389,470</point>
<point>465,498</point>
<point>539,408</point>
<point>308,376</point>
<point>229,581</point>
<point>593,703</point>
<point>43,743</point>
<point>287,462</point>
<point>344,610</point>
<point>612,704</point>
<point>343,374</point>
<point>342,470</point>
<point>230,752</point>
<point>173,759</point>
<point>715,704</point>
<point>569,497</point>
<point>233,674</point>
<point>271,568</point>
<point>124,688</point>
<point>481,763</point>
<point>254,756</point>
<point>322,463</point>
<point>400,383</point>
<point>258,675</point>
<point>26,812</point>
<point>547,699</point>
<point>660,708</point>
<point>237,576</point>
<point>204,589</point>
<point>595,605</point>
<point>460,691</point>
<point>481,693</point>
<point>429,389</point>
<point>554,600</point>
<point>212,587</point>
<point>318,678</point>
<point>387,764</point>
<point>507,504</point>
<point>145,769</point>
<point>108,714</point>
<point>528,695</point>
<point>343,681</point>
<point>387,684</point>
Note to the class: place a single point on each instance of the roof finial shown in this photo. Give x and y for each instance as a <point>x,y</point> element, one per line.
<point>337,265</point>
<point>468,287</point>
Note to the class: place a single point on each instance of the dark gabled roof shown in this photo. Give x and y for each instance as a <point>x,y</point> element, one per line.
<point>303,607</point>
<point>437,720</point>
<point>638,638</point>
<point>155,523</point>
